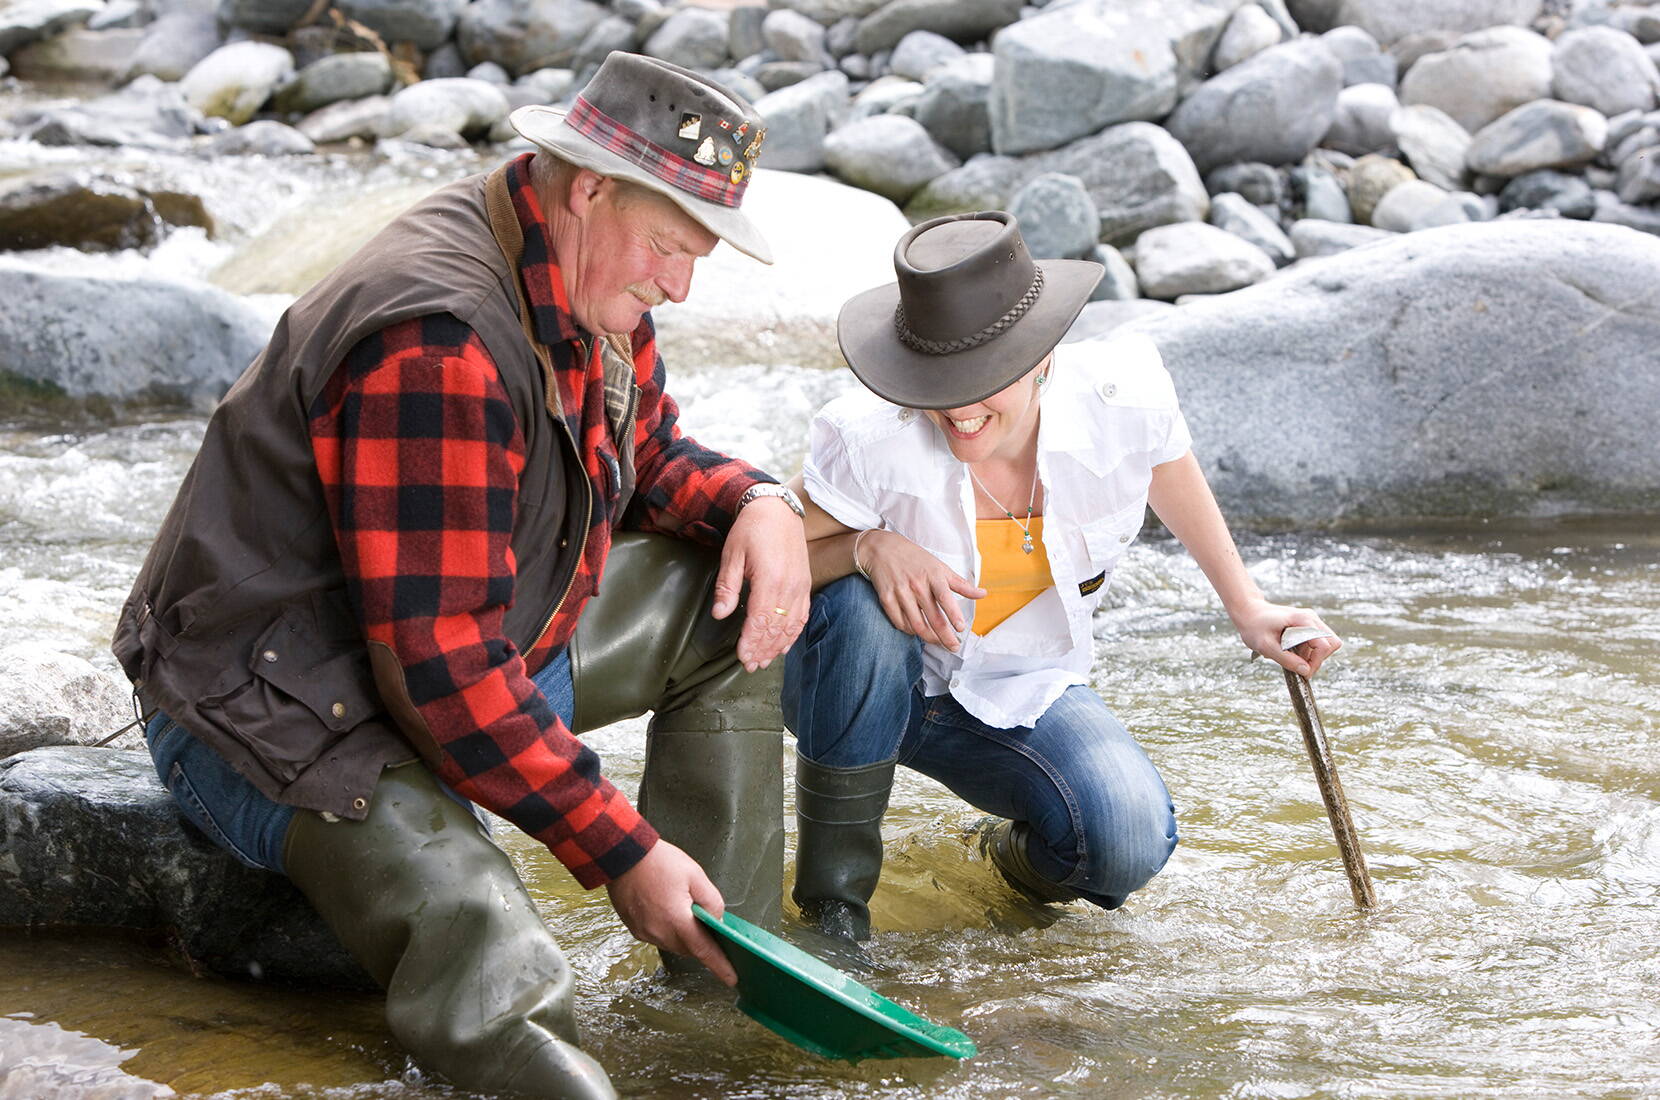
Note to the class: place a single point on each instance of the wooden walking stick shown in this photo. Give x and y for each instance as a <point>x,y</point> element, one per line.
<point>1325,774</point>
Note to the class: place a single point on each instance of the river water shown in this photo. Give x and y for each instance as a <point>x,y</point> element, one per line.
<point>1493,713</point>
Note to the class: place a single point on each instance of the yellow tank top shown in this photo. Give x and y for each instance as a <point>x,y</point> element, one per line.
<point>1011,577</point>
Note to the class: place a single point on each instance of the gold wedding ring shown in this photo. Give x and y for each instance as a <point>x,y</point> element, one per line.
<point>779,611</point>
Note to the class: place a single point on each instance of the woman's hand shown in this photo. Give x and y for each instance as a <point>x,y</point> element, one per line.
<point>1261,623</point>
<point>917,591</point>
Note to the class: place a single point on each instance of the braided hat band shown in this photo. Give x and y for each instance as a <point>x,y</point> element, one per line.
<point>984,336</point>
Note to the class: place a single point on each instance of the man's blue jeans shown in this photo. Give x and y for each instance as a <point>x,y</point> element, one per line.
<point>231,812</point>
<point>1100,816</point>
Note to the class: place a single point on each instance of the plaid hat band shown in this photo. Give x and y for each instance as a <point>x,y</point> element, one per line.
<point>674,170</point>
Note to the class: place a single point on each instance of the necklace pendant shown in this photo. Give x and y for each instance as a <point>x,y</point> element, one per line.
<point>1026,543</point>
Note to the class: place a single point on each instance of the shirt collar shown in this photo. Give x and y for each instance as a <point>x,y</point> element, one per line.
<point>1070,424</point>
<point>544,281</point>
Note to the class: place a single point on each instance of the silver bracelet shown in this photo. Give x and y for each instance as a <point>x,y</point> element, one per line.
<point>856,564</point>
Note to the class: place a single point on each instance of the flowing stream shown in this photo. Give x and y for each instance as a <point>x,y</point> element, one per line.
<point>1494,716</point>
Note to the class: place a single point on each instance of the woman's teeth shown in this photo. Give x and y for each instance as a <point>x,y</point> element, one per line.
<point>969,427</point>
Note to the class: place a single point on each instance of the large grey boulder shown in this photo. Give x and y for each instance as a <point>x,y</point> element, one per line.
<point>1360,125</point>
<point>146,114</point>
<point>332,79</point>
<point>1604,69</point>
<point>1102,316</point>
<point>1057,218</point>
<point>1437,373</point>
<point>458,104</point>
<point>798,120</point>
<point>1137,175</point>
<point>693,38</point>
<point>1482,76</point>
<point>89,837</point>
<point>234,81</point>
<point>174,43</point>
<point>1433,143</point>
<point>49,698</point>
<point>889,154</point>
<point>1273,108</point>
<point>1314,238</point>
<point>92,215</point>
<point>1541,134</point>
<point>525,35</point>
<point>1232,214</point>
<point>955,104</point>
<point>1077,68</point>
<point>1391,20</point>
<point>123,339</point>
<point>25,21</point>
<point>1195,258</point>
<point>960,20</point>
<point>426,23</point>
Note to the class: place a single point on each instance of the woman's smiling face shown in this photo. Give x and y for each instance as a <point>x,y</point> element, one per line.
<point>1000,426</point>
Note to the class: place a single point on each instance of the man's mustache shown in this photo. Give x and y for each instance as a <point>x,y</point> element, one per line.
<point>650,295</point>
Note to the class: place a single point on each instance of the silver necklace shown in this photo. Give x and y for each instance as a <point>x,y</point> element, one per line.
<point>1025,528</point>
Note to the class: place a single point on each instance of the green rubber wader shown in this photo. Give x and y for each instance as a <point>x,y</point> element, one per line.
<point>713,782</point>
<point>476,989</point>
<point>1006,844</point>
<point>838,855</point>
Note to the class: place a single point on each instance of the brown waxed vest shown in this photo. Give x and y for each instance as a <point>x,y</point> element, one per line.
<point>239,626</point>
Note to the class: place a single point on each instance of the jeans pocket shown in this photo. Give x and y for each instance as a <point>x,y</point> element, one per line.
<point>196,812</point>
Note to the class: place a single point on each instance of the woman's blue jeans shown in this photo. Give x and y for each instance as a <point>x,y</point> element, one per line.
<point>1101,820</point>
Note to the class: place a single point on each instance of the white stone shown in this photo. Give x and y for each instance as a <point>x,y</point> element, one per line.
<point>1391,20</point>
<point>234,81</point>
<point>1542,134</point>
<point>1194,258</point>
<point>1482,76</point>
<point>1433,143</point>
<point>51,698</point>
<point>1361,123</point>
<point>1249,32</point>
<point>456,104</point>
<point>1604,69</point>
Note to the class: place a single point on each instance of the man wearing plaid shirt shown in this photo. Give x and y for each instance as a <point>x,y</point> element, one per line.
<point>405,536</point>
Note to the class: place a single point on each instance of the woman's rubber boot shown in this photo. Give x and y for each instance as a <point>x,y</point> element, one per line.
<point>714,779</point>
<point>1006,845</point>
<point>476,989</point>
<point>838,847</point>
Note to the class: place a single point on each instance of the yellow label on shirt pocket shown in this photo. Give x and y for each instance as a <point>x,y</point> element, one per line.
<point>1093,585</point>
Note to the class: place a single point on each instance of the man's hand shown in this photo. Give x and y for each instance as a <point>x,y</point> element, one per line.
<point>654,899</point>
<point>768,548</point>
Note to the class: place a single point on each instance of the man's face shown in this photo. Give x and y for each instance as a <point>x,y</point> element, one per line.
<point>633,249</point>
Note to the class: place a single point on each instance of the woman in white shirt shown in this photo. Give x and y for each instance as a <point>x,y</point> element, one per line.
<point>985,453</point>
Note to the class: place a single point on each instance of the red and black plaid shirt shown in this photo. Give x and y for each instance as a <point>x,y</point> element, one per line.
<point>420,454</point>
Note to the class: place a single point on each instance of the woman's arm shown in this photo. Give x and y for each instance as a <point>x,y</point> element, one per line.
<point>918,592</point>
<point>1183,501</point>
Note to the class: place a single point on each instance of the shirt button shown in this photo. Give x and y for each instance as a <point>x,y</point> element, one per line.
<point>338,710</point>
<point>270,656</point>
<point>1123,538</point>
<point>1108,389</point>
<point>906,414</point>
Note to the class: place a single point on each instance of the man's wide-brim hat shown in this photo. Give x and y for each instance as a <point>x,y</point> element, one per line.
<point>665,128</point>
<point>971,312</point>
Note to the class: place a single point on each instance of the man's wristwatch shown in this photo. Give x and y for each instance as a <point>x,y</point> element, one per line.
<point>768,489</point>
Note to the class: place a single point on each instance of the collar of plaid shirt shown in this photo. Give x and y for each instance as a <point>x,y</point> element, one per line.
<point>544,282</point>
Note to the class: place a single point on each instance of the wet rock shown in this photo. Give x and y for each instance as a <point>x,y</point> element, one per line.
<point>123,339</point>
<point>1363,60</point>
<point>1314,238</point>
<point>1070,72</point>
<point>1541,134</point>
<point>25,21</point>
<point>263,138</point>
<point>959,20</point>
<point>1194,258</point>
<point>262,16</point>
<point>794,37</point>
<point>525,35</point>
<point>694,38</point>
<point>1603,69</point>
<point>234,81</point>
<point>1250,31</point>
<point>1482,76</point>
<point>1568,195</point>
<point>332,79</point>
<point>1639,177</point>
<point>51,698</point>
<point>461,106</point>
<point>1370,180</point>
<point>1612,211</point>
<point>1273,108</point>
<point>888,154</point>
<point>174,43</point>
<point>426,23</point>
<point>1231,213</point>
<point>799,118</point>
<point>146,114</point>
<point>1389,20</point>
<point>97,215</point>
<point>90,837</point>
<point>955,104</point>
<point>920,53</point>
<point>1101,317</point>
<point>353,118</point>
<point>1433,143</point>
<point>1118,282</point>
<point>1360,124</point>
<point>1429,374</point>
<point>1260,184</point>
<point>1057,217</point>
<point>78,54</point>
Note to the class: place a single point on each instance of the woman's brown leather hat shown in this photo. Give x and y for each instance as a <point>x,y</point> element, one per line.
<point>971,313</point>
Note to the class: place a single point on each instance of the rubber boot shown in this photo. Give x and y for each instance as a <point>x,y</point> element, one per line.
<point>713,783</point>
<point>838,847</point>
<point>476,989</point>
<point>1006,845</point>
